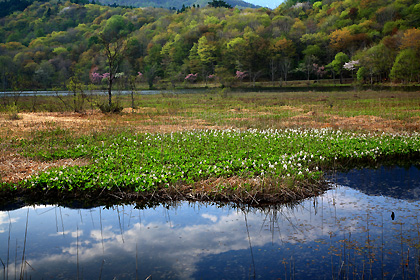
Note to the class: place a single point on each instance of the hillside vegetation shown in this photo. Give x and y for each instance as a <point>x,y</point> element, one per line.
<point>177,4</point>
<point>57,44</point>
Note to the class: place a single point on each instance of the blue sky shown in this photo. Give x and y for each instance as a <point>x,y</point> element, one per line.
<point>266,3</point>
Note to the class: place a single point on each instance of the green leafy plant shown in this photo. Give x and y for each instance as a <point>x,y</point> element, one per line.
<point>13,112</point>
<point>145,162</point>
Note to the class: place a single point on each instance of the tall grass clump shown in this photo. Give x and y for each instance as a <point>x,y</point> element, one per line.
<point>110,108</point>
<point>13,112</point>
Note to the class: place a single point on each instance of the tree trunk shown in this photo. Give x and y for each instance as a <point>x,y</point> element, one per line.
<point>308,72</point>
<point>74,101</point>
<point>110,90</point>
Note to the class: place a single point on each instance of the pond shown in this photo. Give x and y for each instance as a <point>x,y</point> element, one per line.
<point>101,92</point>
<point>116,92</point>
<point>365,227</point>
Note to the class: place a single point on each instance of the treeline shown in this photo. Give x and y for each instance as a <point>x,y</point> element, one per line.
<point>50,43</point>
<point>9,6</point>
<point>177,4</point>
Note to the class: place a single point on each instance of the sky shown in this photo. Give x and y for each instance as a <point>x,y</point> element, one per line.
<point>272,4</point>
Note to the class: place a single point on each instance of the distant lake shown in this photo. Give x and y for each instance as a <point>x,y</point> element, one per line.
<point>366,227</point>
<point>319,88</point>
<point>101,92</point>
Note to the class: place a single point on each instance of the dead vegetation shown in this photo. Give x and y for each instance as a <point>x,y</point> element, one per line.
<point>14,168</point>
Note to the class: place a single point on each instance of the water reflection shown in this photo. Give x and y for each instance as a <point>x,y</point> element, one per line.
<point>393,181</point>
<point>342,234</point>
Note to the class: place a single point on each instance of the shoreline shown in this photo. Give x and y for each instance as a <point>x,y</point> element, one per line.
<point>237,191</point>
<point>220,191</point>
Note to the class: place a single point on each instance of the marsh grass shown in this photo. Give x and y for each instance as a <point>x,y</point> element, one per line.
<point>399,111</point>
<point>221,129</point>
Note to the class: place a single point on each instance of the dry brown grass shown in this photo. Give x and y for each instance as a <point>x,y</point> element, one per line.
<point>14,168</point>
<point>96,121</point>
<point>366,123</point>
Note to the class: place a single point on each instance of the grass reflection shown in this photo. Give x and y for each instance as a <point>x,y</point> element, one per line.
<point>343,234</point>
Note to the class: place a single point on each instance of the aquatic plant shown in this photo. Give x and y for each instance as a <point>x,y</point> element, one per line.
<point>148,162</point>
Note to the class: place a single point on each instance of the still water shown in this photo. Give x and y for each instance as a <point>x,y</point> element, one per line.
<point>102,92</point>
<point>366,227</point>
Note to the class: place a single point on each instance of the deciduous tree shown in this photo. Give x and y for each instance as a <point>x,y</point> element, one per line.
<point>411,39</point>
<point>286,51</point>
<point>340,39</point>
<point>337,64</point>
<point>207,52</point>
<point>406,67</point>
<point>114,41</point>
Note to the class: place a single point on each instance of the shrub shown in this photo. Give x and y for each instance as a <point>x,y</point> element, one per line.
<point>114,108</point>
<point>13,111</point>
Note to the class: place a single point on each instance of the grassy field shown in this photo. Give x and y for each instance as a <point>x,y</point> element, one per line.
<point>220,146</point>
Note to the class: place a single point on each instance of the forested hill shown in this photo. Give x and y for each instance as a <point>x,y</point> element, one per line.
<point>53,42</point>
<point>9,6</point>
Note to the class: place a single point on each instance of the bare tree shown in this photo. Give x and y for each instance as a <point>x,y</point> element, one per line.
<point>114,52</point>
<point>114,40</point>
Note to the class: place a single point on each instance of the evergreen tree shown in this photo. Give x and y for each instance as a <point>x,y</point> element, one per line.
<point>219,4</point>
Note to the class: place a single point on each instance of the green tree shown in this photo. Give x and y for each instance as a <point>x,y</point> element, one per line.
<point>286,51</point>
<point>44,74</point>
<point>6,71</point>
<point>378,60</point>
<point>362,73</point>
<point>152,71</point>
<point>312,52</point>
<point>173,54</point>
<point>219,4</point>
<point>251,54</point>
<point>206,51</point>
<point>406,67</point>
<point>194,62</point>
<point>337,64</point>
<point>153,62</point>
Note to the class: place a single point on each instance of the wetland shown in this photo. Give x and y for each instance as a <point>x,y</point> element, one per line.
<point>216,184</point>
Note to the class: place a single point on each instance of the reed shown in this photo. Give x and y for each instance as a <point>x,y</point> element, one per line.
<point>23,263</point>
<point>4,268</point>
<point>77,252</point>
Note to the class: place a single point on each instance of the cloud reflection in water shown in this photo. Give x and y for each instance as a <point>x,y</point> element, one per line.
<point>334,232</point>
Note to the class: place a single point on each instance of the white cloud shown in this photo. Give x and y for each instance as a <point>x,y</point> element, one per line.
<point>161,247</point>
<point>212,218</point>
<point>5,221</point>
